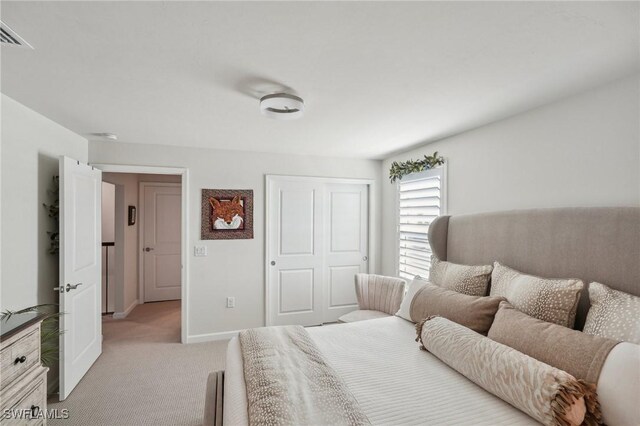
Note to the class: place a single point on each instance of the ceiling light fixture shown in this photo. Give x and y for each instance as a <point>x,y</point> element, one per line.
<point>282,106</point>
<point>110,136</point>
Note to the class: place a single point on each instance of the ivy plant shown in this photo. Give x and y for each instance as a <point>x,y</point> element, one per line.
<point>398,170</point>
<point>53,210</point>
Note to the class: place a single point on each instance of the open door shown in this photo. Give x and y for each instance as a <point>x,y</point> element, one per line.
<point>80,271</point>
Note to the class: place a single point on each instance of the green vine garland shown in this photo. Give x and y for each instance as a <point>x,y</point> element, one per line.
<point>398,170</point>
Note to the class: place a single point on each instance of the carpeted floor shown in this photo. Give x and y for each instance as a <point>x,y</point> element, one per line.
<point>144,375</point>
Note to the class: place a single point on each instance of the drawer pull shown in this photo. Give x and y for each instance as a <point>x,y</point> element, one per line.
<point>20,359</point>
<point>34,410</point>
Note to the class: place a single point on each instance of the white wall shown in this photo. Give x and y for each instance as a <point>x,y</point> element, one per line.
<point>31,145</point>
<point>582,151</point>
<point>108,211</point>
<point>235,267</point>
<point>126,239</point>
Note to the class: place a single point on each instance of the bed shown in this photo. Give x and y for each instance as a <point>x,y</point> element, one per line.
<point>394,382</point>
<point>390,378</point>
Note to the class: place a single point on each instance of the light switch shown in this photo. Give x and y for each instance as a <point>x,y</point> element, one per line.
<point>200,251</point>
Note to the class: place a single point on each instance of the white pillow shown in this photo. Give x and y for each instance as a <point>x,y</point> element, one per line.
<point>619,385</point>
<point>405,306</point>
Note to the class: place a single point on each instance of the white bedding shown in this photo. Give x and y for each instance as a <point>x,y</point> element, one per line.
<point>394,382</point>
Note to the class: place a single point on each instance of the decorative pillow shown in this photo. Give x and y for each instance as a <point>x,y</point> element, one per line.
<point>551,300</point>
<point>405,306</point>
<point>465,279</point>
<point>473,312</point>
<point>613,314</point>
<point>619,386</point>
<point>575,352</point>
<point>549,395</point>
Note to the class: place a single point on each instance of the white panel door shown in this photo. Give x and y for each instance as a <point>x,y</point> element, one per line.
<point>161,242</point>
<point>295,247</point>
<point>346,230</point>
<point>80,271</point>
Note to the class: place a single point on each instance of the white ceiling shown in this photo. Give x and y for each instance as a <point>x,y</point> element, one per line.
<point>377,77</point>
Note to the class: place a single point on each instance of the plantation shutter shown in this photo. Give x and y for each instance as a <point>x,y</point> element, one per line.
<point>421,200</point>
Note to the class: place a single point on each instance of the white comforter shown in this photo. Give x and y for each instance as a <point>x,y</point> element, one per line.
<point>394,382</point>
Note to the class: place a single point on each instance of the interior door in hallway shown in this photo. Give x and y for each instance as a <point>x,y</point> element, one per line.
<point>161,239</point>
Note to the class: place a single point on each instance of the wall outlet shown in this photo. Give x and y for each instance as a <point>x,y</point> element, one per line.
<point>200,251</point>
<point>231,302</point>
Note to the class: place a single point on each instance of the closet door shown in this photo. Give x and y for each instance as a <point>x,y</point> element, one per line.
<point>346,248</point>
<point>295,252</point>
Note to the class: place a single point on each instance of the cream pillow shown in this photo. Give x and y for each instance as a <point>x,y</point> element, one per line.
<point>405,306</point>
<point>613,314</point>
<point>466,279</point>
<point>551,300</point>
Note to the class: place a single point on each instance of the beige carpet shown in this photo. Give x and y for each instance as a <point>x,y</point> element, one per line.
<point>144,375</point>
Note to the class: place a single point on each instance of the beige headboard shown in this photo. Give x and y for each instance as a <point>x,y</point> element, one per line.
<point>594,244</point>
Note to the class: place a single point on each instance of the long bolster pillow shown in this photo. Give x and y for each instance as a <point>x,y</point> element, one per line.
<point>549,395</point>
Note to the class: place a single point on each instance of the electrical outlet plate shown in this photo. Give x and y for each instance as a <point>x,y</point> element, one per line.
<point>200,251</point>
<point>231,302</point>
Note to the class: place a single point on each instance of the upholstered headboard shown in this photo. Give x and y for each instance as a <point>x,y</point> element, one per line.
<point>594,244</point>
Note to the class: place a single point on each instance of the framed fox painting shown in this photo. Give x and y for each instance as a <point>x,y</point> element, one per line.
<point>227,214</point>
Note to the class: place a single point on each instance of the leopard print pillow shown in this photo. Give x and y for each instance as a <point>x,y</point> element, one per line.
<point>551,300</point>
<point>613,314</point>
<point>465,279</point>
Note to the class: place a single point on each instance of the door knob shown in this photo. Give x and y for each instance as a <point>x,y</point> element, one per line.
<point>72,287</point>
<point>365,258</point>
<point>273,263</point>
<point>148,249</point>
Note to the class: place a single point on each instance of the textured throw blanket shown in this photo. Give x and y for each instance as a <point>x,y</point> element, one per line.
<point>289,382</point>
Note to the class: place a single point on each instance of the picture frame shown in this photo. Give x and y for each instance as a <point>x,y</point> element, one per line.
<point>132,216</point>
<point>227,214</point>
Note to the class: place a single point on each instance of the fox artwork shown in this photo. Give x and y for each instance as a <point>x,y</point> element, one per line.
<point>227,214</point>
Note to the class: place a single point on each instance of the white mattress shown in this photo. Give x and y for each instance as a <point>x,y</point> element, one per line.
<point>394,382</point>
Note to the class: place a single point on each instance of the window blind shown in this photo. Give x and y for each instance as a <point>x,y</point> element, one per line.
<point>420,202</point>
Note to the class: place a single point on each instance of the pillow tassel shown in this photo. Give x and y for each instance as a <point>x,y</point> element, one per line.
<point>419,326</point>
<point>567,394</point>
<point>594,413</point>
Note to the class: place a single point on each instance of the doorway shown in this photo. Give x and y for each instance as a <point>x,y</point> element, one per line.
<point>149,248</point>
<point>318,237</point>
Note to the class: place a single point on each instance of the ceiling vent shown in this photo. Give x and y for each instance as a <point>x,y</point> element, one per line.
<point>8,37</point>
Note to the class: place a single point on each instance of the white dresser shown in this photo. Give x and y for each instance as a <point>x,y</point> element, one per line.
<point>23,379</point>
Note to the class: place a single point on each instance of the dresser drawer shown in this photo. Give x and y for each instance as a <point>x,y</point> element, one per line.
<point>19,356</point>
<point>31,399</point>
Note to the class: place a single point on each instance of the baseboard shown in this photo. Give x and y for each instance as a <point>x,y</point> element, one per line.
<point>122,315</point>
<point>210,337</point>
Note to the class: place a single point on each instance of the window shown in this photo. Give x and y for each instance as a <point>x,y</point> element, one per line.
<point>420,201</point>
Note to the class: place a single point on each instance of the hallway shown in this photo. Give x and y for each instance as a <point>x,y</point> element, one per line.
<point>145,372</point>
